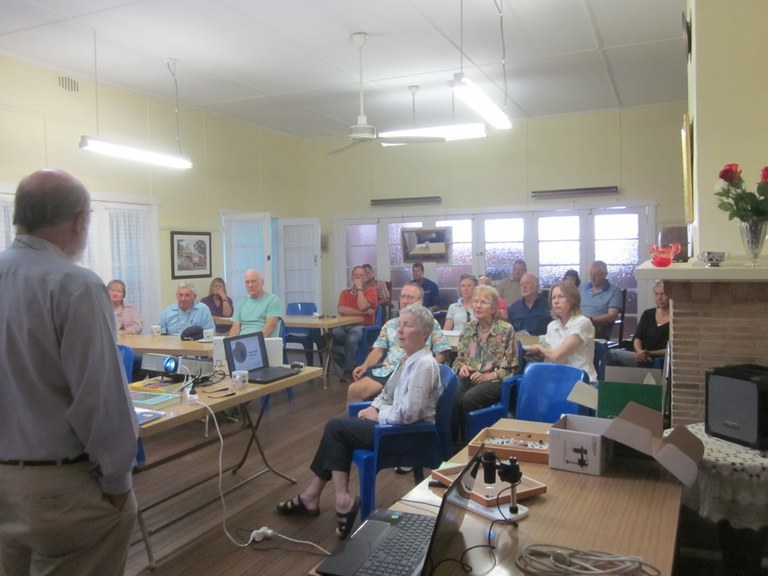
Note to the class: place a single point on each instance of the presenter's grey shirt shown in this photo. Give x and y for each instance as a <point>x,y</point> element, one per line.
<point>62,386</point>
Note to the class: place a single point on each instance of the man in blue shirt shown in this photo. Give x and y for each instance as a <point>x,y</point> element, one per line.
<point>601,301</point>
<point>431,291</point>
<point>531,313</point>
<point>186,312</point>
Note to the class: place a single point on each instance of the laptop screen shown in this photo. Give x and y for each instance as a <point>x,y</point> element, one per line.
<point>451,515</point>
<point>246,352</point>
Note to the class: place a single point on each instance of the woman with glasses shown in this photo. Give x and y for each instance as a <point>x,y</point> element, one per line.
<point>459,313</point>
<point>486,355</point>
<point>570,337</point>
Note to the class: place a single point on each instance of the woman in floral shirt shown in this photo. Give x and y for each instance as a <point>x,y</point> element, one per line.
<point>487,354</point>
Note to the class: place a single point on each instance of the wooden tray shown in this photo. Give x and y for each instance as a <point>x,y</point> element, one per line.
<point>524,445</point>
<point>527,488</point>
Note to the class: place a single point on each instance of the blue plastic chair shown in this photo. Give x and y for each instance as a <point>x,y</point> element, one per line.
<point>420,445</point>
<point>370,333</point>
<point>540,395</point>
<point>307,337</point>
<point>126,354</point>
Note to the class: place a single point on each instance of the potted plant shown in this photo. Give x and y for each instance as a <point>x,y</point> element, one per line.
<point>750,208</point>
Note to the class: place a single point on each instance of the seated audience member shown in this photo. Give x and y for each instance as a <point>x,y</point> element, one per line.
<point>410,395</point>
<point>572,276</point>
<point>570,337</point>
<point>186,312</point>
<point>501,313</point>
<point>459,313</point>
<point>487,354</point>
<point>382,292</point>
<point>600,300</point>
<point>355,301</point>
<point>260,312</point>
<point>127,316</point>
<point>219,303</point>
<point>509,288</point>
<point>650,339</point>
<point>372,374</point>
<point>430,289</point>
<point>531,313</point>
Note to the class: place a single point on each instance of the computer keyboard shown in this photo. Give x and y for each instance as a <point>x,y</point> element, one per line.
<point>402,550</point>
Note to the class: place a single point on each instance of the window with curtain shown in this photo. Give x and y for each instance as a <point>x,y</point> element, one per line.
<point>122,243</point>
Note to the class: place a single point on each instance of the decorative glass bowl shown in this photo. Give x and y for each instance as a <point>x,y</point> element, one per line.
<point>661,257</point>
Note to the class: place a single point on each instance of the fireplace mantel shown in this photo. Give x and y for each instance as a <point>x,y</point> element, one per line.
<point>695,271</point>
<point>718,317</point>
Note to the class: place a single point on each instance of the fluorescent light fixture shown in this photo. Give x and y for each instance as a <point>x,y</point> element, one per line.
<point>406,201</point>
<point>447,133</point>
<point>473,97</point>
<point>130,153</point>
<point>566,192</point>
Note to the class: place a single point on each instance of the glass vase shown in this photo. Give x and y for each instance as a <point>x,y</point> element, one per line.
<point>753,237</point>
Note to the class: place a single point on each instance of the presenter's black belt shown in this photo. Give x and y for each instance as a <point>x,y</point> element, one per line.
<point>63,462</point>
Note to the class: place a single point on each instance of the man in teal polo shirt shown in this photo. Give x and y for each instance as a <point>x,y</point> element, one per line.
<point>259,312</point>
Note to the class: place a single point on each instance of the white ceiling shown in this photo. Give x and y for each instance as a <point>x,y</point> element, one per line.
<point>291,66</point>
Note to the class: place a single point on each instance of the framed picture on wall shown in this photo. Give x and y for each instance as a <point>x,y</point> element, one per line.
<point>686,133</point>
<point>190,255</point>
<point>426,244</point>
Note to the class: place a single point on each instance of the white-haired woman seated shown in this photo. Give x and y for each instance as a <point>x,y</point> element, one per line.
<point>410,395</point>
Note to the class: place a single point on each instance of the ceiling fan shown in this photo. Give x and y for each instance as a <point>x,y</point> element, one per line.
<point>363,132</point>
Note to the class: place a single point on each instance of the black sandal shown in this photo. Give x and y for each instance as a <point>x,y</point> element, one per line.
<point>290,508</point>
<point>346,520</point>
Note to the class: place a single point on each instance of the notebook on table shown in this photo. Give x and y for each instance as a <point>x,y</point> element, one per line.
<point>397,543</point>
<point>249,352</point>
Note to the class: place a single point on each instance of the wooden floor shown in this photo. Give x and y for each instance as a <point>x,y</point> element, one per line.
<point>198,544</point>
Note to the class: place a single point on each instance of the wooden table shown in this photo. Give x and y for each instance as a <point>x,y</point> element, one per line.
<point>633,510</point>
<point>325,324</point>
<point>186,411</point>
<point>174,345</point>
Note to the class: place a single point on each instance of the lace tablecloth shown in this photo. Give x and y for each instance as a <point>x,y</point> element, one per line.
<point>732,483</point>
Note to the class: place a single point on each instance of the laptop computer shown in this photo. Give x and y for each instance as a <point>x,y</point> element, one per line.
<point>249,352</point>
<point>412,543</point>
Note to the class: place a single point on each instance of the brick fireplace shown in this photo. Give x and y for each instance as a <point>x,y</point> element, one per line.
<point>719,316</point>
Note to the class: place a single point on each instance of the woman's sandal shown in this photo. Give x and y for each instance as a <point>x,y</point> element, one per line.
<point>346,520</point>
<point>290,508</point>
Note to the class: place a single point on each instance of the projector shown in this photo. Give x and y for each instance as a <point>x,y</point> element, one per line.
<point>737,404</point>
<point>181,365</point>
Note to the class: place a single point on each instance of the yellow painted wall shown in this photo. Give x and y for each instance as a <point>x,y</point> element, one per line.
<point>244,168</point>
<point>727,84</point>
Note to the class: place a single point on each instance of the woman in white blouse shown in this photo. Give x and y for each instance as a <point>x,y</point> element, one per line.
<point>570,337</point>
<point>460,313</point>
<point>409,396</point>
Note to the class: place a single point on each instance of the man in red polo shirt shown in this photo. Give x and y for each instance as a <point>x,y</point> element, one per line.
<point>355,301</point>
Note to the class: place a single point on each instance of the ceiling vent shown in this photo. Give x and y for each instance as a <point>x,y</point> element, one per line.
<point>68,84</point>
<point>568,192</point>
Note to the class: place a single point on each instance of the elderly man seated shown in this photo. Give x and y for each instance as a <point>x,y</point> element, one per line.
<point>186,312</point>
<point>601,301</point>
<point>531,313</point>
<point>386,353</point>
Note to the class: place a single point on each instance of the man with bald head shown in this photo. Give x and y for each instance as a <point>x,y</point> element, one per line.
<point>260,312</point>
<point>67,425</point>
<point>531,313</point>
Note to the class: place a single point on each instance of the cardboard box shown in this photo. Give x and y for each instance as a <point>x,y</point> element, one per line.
<point>526,441</point>
<point>641,428</point>
<point>577,444</point>
<point>633,374</point>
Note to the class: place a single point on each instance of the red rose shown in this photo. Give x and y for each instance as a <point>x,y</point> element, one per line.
<point>730,174</point>
<point>764,174</point>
